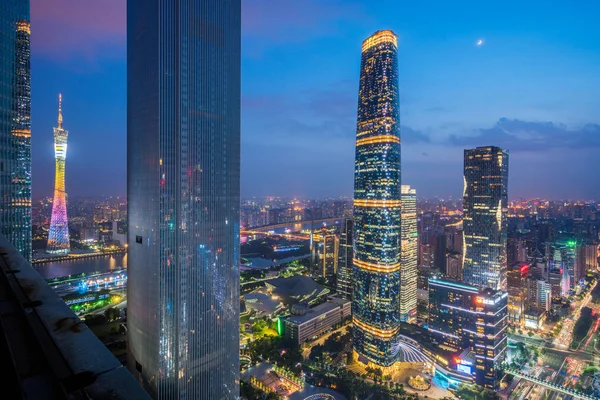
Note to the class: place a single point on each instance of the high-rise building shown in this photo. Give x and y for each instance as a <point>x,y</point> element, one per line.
<point>466,317</point>
<point>58,235</point>
<point>517,292</point>
<point>485,217</point>
<point>345,277</point>
<point>410,245</point>
<point>377,236</point>
<point>454,265</point>
<point>539,296</point>
<point>562,256</point>
<point>426,255</point>
<point>183,173</point>
<point>15,126</point>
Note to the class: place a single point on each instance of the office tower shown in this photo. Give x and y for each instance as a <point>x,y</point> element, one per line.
<point>454,266</point>
<point>484,220</point>
<point>375,303</point>
<point>58,235</point>
<point>539,295</point>
<point>183,169</point>
<point>15,126</point>
<point>466,317</point>
<point>555,280</point>
<point>329,255</point>
<point>516,250</point>
<point>562,256</point>
<point>325,247</point>
<point>591,257</point>
<point>426,255</point>
<point>410,243</point>
<point>517,292</point>
<point>439,252</point>
<point>345,277</point>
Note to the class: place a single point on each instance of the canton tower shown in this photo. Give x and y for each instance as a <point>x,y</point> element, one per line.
<point>377,201</point>
<point>58,237</point>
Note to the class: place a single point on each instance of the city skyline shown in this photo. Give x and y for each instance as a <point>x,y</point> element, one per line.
<point>447,106</point>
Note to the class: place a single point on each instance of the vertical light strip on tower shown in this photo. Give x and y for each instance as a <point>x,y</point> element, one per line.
<point>376,262</point>
<point>58,236</point>
<point>408,273</point>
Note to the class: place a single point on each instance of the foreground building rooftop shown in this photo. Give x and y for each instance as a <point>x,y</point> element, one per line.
<point>46,351</point>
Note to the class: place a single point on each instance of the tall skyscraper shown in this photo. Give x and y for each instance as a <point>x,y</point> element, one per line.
<point>376,299</point>
<point>410,246</point>
<point>183,169</point>
<point>485,210</point>
<point>15,125</point>
<point>345,276</point>
<point>58,235</point>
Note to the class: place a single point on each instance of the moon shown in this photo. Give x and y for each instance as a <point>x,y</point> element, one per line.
<point>479,43</point>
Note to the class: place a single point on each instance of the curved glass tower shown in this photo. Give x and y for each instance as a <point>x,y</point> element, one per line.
<point>15,125</point>
<point>377,198</point>
<point>58,235</point>
<point>183,173</point>
<point>485,209</point>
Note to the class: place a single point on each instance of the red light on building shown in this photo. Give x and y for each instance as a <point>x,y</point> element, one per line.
<point>478,300</point>
<point>524,269</point>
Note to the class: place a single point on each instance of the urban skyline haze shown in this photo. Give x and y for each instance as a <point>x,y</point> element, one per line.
<point>531,87</point>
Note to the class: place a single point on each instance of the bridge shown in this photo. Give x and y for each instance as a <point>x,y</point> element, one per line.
<point>317,223</point>
<point>549,385</point>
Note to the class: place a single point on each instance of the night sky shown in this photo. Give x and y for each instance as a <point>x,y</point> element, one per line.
<point>532,87</point>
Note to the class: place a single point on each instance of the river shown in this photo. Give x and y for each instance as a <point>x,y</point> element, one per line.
<point>59,269</point>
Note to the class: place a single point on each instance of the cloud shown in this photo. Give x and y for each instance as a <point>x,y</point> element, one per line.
<point>410,135</point>
<point>63,30</point>
<point>517,135</point>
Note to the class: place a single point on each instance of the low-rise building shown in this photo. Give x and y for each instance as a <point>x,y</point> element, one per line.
<point>317,320</point>
<point>534,319</point>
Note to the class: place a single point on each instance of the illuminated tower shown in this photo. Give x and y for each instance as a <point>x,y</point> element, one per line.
<point>15,125</point>
<point>408,273</point>
<point>484,217</point>
<point>58,236</point>
<point>183,192</point>
<point>375,303</point>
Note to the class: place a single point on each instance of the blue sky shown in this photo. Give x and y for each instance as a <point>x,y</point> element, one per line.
<point>533,87</point>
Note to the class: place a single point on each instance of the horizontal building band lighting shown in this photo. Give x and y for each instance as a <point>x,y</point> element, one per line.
<point>21,132</point>
<point>378,139</point>
<point>379,38</point>
<point>376,267</point>
<point>381,333</point>
<point>376,203</point>
<point>453,285</point>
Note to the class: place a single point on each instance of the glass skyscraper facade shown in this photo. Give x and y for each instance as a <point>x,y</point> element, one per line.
<point>485,203</point>
<point>15,125</point>
<point>58,235</point>
<point>345,278</point>
<point>410,245</point>
<point>376,262</point>
<point>183,144</point>
<point>466,317</point>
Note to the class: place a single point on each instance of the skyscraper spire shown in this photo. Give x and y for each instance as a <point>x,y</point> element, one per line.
<point>60,111</point>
